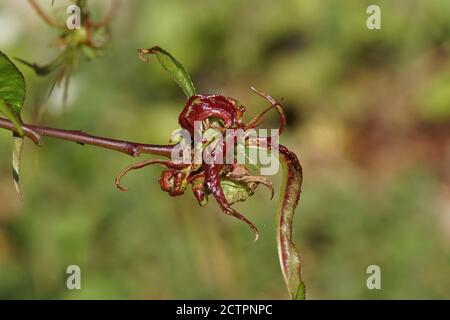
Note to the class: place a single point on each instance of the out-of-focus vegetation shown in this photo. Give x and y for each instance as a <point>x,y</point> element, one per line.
<point>368,114</point>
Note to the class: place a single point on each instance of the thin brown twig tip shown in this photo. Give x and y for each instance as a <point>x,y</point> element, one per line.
<point>256,231</point>
<point>260,93</point>
<point>272,190</point>
<point>254,90</point>
<point>118,185</point>
<point>256,236</point>
<point>142,54</point>
<point>121,188</point>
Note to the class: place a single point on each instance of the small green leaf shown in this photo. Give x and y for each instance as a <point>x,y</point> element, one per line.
<point>175,68</point>
<point>234,191</point>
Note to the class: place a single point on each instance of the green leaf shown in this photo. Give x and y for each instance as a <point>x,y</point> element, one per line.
<point>289,256</point>
<point>12,91</point>
<point>12,97</point>
<point>175,68</point>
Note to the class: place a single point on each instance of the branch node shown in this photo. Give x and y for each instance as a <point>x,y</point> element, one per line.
<point>135,151</point>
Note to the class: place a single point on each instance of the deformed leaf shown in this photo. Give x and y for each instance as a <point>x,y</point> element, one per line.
<point>175,68</point>
<point>288,254</point>
<point>16,156</point>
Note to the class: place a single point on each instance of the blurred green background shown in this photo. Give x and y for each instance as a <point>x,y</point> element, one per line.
<point>368,115</point>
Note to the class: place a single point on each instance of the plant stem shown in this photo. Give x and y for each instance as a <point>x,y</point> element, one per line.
<point>42,14</point>
<point>133,149</point>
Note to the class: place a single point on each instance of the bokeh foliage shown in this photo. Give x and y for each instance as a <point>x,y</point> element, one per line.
<point>369,116</point>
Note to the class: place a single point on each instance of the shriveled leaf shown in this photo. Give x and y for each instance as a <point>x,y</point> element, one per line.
<point>16,156</point>
<point>288,254</point>
<point>12,96</point>
<point>175,68</point>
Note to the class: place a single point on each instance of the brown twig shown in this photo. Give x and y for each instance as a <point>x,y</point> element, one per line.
<point>42,14</point>
<point>133,149</point>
